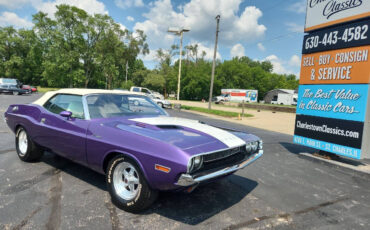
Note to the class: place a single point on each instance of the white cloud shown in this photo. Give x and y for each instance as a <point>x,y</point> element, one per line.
<point>237,50</point>
<point>11,19</point>
<point>128,3</point>
<point>295,61</point>
<point>209,52</point>
<point>123,27</point>
<point>149,57</point>
<point>90,6</point>
<point>299,7</point>
<point>282,67</point>
<point>14,4</point>
<point>261,47</point>
<point>129,18</point>
<point>277,64</point>
<point>294,27</point>
<point>199,16</point>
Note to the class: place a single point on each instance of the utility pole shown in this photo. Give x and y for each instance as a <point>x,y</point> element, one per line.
<point>214,64</point>
<point>126,70</point>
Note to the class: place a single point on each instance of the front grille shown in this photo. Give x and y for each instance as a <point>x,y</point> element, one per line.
<point>216,163</point>
<point>221,154</point>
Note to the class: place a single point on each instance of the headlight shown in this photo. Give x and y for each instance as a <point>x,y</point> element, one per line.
<point>252,147</point>
<point>248,147</point>
<point>260,144</point>
<point>195,163</point>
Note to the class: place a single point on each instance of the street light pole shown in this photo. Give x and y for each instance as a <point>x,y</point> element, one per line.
<point>179,32</point>
<point>214,64</point>
<point>179,77</point>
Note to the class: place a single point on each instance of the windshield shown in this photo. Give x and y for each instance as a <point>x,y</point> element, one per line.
<point>117,105</point>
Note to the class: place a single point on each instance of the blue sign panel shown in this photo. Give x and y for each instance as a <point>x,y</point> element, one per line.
<point>347,102</point>
<point>328,147</point>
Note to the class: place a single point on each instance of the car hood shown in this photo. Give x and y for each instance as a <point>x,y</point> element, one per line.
<point>189,135</point>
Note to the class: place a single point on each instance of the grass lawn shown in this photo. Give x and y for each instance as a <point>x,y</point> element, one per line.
<point>214,111</point>
<point>44,90</point>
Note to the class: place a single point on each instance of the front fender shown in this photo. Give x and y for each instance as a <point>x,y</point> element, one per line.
<point>104,140</point>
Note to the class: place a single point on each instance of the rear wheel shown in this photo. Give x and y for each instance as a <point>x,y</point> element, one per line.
<point>27,150</point>
<point>160,104</point>
<point>127,185</point>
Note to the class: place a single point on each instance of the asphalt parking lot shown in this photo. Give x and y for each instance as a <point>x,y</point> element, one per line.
<point>282,190</point>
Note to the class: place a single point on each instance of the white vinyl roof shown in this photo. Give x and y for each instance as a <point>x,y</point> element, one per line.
<point>75,91</point>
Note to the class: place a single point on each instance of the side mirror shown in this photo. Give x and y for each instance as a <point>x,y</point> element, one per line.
<point>66,114</point>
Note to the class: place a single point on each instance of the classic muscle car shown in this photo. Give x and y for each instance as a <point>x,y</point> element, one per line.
<point>130,139</point>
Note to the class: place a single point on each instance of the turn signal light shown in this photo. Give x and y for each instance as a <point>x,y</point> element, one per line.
<point>162,168</point>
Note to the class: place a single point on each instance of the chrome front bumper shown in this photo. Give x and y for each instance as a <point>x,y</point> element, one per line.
<point>188,180</point>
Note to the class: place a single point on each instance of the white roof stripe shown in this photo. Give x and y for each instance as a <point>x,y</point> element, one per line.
<point>75,91</point>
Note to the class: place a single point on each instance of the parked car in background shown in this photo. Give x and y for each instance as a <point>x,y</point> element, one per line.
<point>158,95</point>
<point>13,89</point>
<point>34,89</point>
<point>129,138</point>
<point>285,99</point>
<point>161,102</point>
<point>147,92</point>
<point>10,81</point>
<point>27,87</point>
<point>140,90</point>
<point>221,99</point>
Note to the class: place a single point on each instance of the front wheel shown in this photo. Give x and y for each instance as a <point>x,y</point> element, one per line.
<point>15,93</point>
<point>127,185</point>
<point>27,150</point>
<point>160,105</point>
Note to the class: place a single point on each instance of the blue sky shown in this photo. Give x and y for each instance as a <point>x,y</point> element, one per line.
<point>260,29</point>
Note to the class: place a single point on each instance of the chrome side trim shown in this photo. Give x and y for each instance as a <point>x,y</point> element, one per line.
<point>85,107</point>
<point>187,179</point>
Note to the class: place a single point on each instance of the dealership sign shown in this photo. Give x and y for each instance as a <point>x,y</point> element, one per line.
<point>347,102</point>
<point>324,13</point>
<point>343,66</point>
<point>339,37</point>
<point>338,136</point>
<point>331,118</point>
<point>333,108</point>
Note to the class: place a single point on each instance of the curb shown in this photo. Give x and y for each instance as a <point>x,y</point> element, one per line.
<point>363,170</point>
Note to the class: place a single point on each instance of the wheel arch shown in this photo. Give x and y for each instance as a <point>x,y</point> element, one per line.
<point>110,155</point>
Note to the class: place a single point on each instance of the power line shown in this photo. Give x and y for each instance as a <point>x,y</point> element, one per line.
<point>279,37</point>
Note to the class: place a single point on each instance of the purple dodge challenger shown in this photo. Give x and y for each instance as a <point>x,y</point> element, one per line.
<point>130,139</point>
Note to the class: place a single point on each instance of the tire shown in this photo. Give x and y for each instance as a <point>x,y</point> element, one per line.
<point>26,149</point>
<point>160,105</point>
<point>128,189</point>
<point>15,93</point>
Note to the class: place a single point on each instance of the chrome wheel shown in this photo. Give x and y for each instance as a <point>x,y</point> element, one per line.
<point>126,181</point>
<point>22,142</point>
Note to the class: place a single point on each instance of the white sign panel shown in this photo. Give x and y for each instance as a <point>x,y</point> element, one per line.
<point>323,13</point>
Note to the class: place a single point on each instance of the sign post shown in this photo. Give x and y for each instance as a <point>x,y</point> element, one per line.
<point>333,109</point>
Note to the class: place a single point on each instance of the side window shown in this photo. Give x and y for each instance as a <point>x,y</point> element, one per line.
<point>136,89</point>
<point>65,102</point>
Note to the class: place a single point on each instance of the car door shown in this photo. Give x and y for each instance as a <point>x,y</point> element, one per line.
<point>65,136</point>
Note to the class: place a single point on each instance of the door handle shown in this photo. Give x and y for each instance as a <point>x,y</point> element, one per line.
<point>43,120</point>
